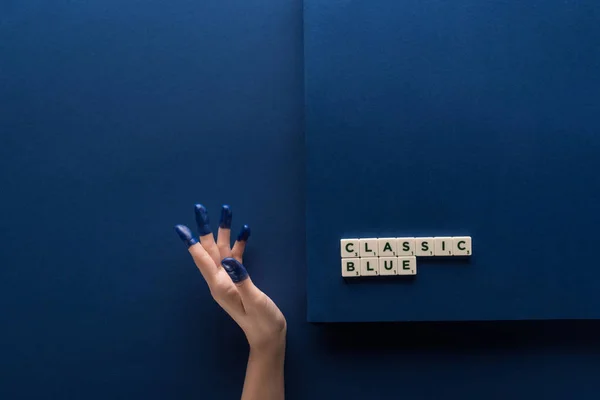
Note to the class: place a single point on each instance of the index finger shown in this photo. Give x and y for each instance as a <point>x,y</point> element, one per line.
<point>201,258</point>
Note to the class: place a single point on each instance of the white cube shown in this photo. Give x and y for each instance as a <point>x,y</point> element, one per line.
<point>407,265</point>
<point>369,247</point>
<point>387,247</point>
<point>388,265</point>
<point>443,246</point>
<point>406,246</point>
<point>369,266</point>
<point>350,267</point>
<point>462,246</point>
<point>424,246</point>
<point>350,248</point>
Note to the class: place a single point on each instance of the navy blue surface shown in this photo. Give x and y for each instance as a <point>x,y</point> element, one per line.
<point>114,120</point>
<point>116,117</point>
<point>451,118</point>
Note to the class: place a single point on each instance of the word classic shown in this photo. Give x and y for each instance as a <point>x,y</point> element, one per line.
<point>397,256</point>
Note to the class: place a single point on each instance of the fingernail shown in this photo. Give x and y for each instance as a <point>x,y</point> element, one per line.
<point>235,269</point>
<point>185,235</point>
<point>202,220</point>
<point>226,214</point>
<point>244,234</point>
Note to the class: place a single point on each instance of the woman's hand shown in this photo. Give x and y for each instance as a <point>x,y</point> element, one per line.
<point>231,287</point>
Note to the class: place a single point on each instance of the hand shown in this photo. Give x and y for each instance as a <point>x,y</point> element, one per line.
<point>229,283</point>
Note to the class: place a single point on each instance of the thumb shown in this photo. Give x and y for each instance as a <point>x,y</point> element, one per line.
<point>238,274</point>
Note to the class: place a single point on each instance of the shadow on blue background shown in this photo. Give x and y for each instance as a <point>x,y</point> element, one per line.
<point>115,117</point>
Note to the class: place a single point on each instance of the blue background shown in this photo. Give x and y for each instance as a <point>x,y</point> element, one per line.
<point>455,118</point>
<point>115,117</point>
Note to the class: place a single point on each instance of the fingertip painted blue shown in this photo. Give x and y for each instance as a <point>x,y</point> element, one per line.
<point>244,234</point>
<point>235,269</point>
<point>202,220</point>
<point>185,234</point>
<point>226,216</point>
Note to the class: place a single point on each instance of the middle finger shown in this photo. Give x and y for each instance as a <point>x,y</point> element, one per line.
<point>207,239</point>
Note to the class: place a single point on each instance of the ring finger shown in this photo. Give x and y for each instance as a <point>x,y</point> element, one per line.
<point>224,235</point>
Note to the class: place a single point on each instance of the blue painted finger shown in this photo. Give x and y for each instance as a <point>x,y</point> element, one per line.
<point>185,235</point>
<point>226,215</point>
<point>237,272</point>
<point>202,220</point>
<point>244,234</point>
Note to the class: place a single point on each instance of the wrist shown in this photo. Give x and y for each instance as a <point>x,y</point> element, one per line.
<point>274,349</point>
